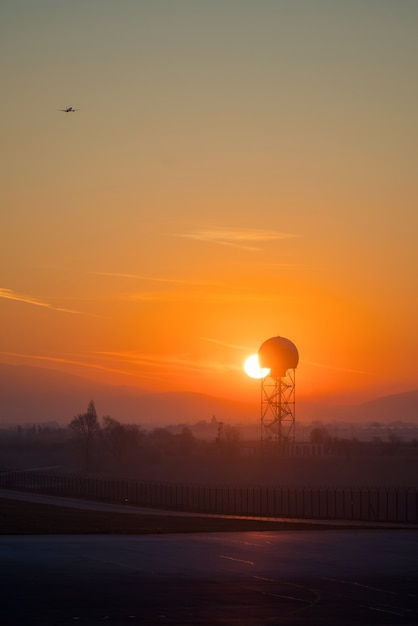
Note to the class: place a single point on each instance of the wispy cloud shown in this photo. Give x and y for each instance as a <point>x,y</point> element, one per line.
<point>204,297</point>
<point>160,279</point>
<point>137,365</point>
<point>64,361</point>
<point>178,361</point>
<point>149,360</point>
<point>331,367</point>
<point>9,294</point>
<point>151,296</point>
<point>227,345</point>
<point>236,238</point>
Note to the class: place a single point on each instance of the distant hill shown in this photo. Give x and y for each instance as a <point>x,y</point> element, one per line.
<point>31,394</point>
<point>397,407</point>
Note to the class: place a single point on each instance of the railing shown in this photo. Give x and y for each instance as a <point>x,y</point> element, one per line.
<point>364,504</point>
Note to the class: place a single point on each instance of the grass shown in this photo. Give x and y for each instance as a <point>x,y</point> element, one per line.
<point>27,518</point>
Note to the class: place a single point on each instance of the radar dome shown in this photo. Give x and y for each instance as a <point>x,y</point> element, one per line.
<point>279,355</point>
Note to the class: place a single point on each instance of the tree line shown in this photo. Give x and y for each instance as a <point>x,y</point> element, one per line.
<point>92,444</point>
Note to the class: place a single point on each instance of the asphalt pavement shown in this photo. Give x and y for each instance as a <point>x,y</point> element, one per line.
<point>358,577</point>
<point>344,577</point>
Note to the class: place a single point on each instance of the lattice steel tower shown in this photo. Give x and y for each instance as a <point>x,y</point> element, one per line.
<point>281,358</point>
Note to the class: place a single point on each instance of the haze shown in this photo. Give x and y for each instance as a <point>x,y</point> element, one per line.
<point>235,171</point>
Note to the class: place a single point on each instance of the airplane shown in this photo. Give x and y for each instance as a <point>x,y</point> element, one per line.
<point>68,110</point>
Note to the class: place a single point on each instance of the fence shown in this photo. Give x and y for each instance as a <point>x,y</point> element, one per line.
<point>367,504</point>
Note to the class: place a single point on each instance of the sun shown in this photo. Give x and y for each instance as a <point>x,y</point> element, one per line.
<point>253,369</point>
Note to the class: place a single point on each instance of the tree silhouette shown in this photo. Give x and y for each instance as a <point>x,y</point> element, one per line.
<point>85,426</point>
<point>231,439</point>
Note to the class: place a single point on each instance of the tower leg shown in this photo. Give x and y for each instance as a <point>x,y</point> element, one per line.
<point>278,408</point>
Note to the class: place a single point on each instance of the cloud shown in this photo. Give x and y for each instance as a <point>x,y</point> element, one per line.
<point>228,345</point>
<point>136,365</point>
<point>172,361</point>
<point>160,279</point>
<point>236,238</point>
<point>151,296</point>
<point>204,297</point>
<point>64,361</point>
<point>149,359</point>
<point>9,294</point>
<point>331,367</point>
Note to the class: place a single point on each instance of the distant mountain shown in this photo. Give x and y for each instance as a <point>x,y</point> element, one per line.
<point>38,395</point>
<point>401,407</point>
<point>397,407</point>
<point>30,394</point>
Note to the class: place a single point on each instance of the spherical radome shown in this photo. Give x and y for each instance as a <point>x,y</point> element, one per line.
<point>279,355</point>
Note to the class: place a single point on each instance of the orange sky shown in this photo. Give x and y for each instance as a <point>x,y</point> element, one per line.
<point>236,171</point>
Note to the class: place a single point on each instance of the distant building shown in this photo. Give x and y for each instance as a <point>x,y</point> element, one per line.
<point>251,448</point>
<point>247,450</point>
<point>304,449</point>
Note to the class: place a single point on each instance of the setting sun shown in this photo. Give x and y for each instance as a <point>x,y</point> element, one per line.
<point>184,241</point>
<point>253,369</point>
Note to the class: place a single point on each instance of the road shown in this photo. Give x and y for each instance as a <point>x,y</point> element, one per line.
<point>344,577</point>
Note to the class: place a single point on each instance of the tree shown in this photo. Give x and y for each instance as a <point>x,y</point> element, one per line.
<point>319,434</point>
<point>231,439</point>
<point>85,426</point>
<point>123,440</point>
<point>185,441</point>
<point>112,434</point>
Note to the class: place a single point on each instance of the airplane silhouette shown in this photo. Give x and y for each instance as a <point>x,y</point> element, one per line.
<point>68,110</point>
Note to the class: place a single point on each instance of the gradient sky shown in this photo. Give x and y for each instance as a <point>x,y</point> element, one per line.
<point>237,169</point>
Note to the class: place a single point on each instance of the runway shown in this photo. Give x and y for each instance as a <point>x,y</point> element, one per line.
<point>358,577</point>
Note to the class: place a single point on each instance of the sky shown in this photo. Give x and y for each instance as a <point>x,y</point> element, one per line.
<point>236,170</point>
